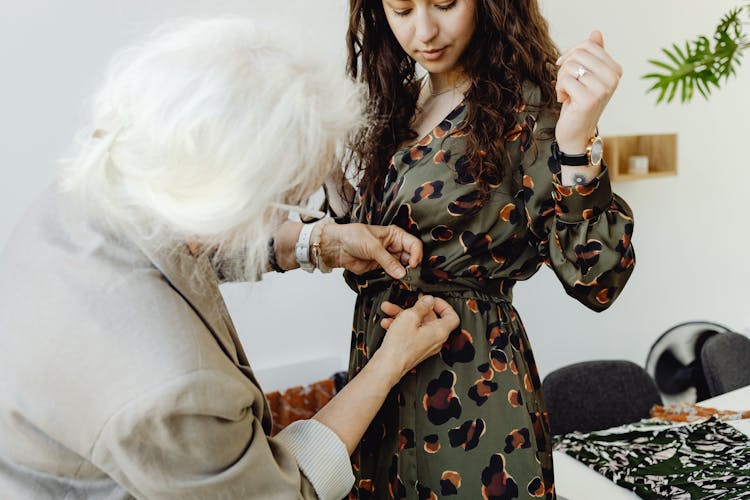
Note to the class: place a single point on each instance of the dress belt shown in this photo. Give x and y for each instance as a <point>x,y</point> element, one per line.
<point>413,282</point>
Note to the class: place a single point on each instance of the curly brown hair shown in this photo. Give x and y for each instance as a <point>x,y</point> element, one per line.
<point>511,45</point>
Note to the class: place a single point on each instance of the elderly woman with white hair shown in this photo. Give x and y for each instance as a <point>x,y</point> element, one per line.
<point>122,372</point>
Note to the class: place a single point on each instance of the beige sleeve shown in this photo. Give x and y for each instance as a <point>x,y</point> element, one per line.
<point>200,437</point>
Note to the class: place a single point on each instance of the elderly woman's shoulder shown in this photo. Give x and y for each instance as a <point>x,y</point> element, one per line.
<point>67,282</point>
<point>89,322</point>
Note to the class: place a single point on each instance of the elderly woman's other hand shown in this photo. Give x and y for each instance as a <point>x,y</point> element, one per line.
<point>416,333</point>
<point>413,335</point>
<point>360,248</point>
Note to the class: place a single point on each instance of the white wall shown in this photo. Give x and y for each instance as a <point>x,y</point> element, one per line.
<point>691,231</point>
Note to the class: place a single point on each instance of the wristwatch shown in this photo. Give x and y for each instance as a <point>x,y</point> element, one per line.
<point>592,156</point>
<point>302,248</point>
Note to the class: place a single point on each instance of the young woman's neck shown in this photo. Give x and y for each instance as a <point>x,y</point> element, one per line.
<point>442,82</point>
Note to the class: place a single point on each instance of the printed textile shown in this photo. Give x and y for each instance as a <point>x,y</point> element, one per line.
<point>703,460</point>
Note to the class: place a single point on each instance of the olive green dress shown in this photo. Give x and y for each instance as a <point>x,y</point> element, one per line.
<point>470,422</point>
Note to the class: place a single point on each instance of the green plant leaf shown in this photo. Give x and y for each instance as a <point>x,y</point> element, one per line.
<point>702,63</point>
<point>663,65</point>
<point>673,91</point>
<point>678,62</point>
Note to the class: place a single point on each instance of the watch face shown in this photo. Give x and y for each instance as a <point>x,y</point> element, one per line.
<point>597,150</point>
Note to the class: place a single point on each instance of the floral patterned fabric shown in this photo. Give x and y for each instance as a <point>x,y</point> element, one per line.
<point>471,421</point>
<point>704,460</point>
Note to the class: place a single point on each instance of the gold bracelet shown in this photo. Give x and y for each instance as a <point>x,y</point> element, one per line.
<point>317,248</point>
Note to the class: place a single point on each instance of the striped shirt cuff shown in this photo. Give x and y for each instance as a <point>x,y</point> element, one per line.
<point>321,456</point>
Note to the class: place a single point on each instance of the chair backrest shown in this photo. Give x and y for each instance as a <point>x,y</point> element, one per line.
<point>726,362</point>
<point>595,395</point>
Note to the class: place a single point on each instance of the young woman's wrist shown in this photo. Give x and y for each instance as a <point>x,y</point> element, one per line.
<point>576,176</point>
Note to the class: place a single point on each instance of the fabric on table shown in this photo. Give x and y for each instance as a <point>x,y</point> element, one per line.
<point>471,422</point>
<point>687,412</point>
<point>704,460</point>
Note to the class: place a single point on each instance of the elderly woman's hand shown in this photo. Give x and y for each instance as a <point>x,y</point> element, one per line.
<point>416,333</point>
<point>413,335</point>
<point>360,248</point>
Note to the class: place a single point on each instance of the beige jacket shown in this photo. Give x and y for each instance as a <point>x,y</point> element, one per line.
<point>121,378</point>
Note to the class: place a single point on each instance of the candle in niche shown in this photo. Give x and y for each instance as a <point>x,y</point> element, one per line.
<point>638,165</point>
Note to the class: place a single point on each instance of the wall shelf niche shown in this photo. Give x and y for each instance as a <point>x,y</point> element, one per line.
<point>660,149</point>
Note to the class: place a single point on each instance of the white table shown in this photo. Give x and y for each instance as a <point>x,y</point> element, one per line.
<point>575,481</point>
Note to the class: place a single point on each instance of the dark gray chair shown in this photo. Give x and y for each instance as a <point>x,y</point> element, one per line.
<point>726,362</point>
<point>595,395</point>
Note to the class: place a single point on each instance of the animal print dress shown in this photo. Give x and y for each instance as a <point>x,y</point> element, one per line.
<point>470,422</point>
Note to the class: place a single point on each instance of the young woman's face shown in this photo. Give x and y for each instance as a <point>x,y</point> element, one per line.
<point>433,32</point>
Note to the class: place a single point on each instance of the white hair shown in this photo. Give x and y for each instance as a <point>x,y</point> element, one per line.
<point>196,132</point>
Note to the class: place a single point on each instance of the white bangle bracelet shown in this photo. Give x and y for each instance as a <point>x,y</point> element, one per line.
<point>302,248</point>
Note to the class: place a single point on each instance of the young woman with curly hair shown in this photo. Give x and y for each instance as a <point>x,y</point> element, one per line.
<point>492,159</point>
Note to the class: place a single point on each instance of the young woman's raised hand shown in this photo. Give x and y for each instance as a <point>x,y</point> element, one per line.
<point>586,79</point>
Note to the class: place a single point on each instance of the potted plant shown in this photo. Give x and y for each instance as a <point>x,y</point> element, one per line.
<point>704,63</point>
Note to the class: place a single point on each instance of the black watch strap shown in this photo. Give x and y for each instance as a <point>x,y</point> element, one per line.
<point>581,160</point>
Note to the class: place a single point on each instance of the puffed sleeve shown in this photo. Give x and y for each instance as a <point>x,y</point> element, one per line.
<point>583,232</point>
<point>199,436</point>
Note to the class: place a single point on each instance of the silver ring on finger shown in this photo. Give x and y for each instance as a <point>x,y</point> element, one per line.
<point>580,72</point>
